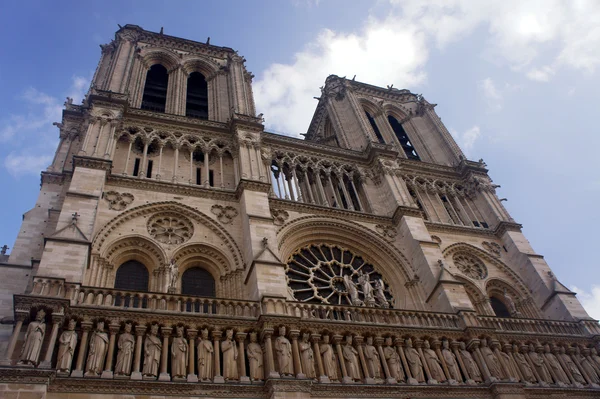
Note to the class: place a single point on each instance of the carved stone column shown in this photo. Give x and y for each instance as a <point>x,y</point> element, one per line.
<point>399,342</point>
<point>388,377</point>
<point>508,349</point>
<point>296,354</point>
<point>192,334</point>
<point>525,350</point>
<point>465,372</point>
<point>317,352</point>
<point>436,345</point>
<point>164,357</point>
<point>419,347</point>
<point>241,338</point>
<point>86,327</point>
<point>137,357</point>
<point>56,321</point>
<point>338,347</point>
<point>495,345</point>
<point>113,330</point>
<point>20,318</point>
<point>217,334</point>
<point>361,355</point>
<point>270,361</point>
<point>473,347</point>
<point>574,357</point>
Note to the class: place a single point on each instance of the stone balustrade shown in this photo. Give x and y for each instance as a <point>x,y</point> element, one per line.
<point>531,326</point>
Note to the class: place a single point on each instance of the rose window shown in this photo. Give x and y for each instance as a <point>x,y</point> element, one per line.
<point>470,266</point>
<point>333,275</point>
<point>170,228</point>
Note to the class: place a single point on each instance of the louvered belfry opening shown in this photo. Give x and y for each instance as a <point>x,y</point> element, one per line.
<point>155,89</point>
<point>197,96</point>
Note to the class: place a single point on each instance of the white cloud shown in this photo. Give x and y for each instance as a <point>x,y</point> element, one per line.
<point>542,74</point>
<point>589,299</point>
<point>467,139</point>
<point>26,164</point>
<point>492,95</point>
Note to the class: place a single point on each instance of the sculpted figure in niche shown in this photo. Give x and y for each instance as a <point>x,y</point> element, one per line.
<point>352,291</point>
<point>577,376</point>
<point>380,293</point>
<point>284,354</point>
<point>351,358</point>
<point>510,304</point>
<point>66,347</point>
<point>205,357</point>
<point>435,366</point>
<point>595,357</point>
<point>526,370</point>
<point>470,363</point>
<point>510,364</point>
<point>393,360</point>
<point>328,356</point>
<point>98,348</point>
<point>125,355</point>
<point>179,355</point>
<point>554,364</point>
<point>414,362</point>
<point>367,288</point>
<point>491,360</point>
<point>34,337</point>
<point>152,349</point>
<point>173,271</point>
<point>230,355</point>
<point>307,357</point>
<point>450,360</point>
<point>587,366</point>
<point>373,361</point>
<point>540,364</point>
<point>255,359</point>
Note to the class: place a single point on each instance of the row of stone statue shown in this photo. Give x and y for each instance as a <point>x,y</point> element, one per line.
<point>321,357</point>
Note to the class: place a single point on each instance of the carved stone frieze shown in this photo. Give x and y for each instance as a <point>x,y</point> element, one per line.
<point>470,266</point>
<point>388,232</point>
<point>225,214</point>
<point>279,216</point>
<point>492,247</point>
<point>118,201</point>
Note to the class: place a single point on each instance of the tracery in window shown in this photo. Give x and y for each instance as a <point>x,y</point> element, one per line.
<point>170,228</point>
<point>470,266</point>
<point>334,275</point>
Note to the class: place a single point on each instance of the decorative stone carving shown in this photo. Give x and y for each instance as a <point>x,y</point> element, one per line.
<point>225,214</point>
<point>388,232</point>
<point>279,216</point>
<point>523,365</point>
<point>66,348</point>
<point>179,355</point>
<point>573,369</point>
<point>307,357</point>
<point>255,359</point>
<point>393,360</point>
<point>491,360</point>
<point>470,363</point>
<point>470,266</point>
<point>493,248</point>
<point>334,275</point>
<point>173,276</point>
<point>555,367</point>
<point>97,352</point>
<point>587,366</point>
<point>125,354</point>
<point>450,359</point>
<point>170,228</point>
<point>205,357</point>
<point>152,351</point>
<point>118,201</point>
<point>283,348</point>
<point>435,366</point>
<point>34,338</point>
<point>372,357</point>
<point>351,359</point>
<point>510,304</point>
<point>230,355</point>
<point>436,239</point>
<point>329,362</point>
<point>414,362</point>
<point>539,362</point>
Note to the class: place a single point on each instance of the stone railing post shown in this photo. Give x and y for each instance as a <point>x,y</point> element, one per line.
<point>140,330</point>
<point>164,358</point>
<point>192,334</point>
<point>57,319</point>
<point>86,327</point>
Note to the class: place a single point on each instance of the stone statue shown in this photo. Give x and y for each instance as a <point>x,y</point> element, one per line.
<point>173,274</point>
<point>329,363</point>
<point>510,304</point>
<point>595,357</point>
<point>470,364</point>
<point>352,291</point>
<point>491,360</point>
<point>284,354</point>
<point>540,364</point>
<point>435,366</point>
<point>511,367</point>
<point>414,362</point>
<point>351,358</point>
<point>179,354</point>
<point>125,354</point>
<point>230,356</point>
<point>393,360</point>
<point>587,366</point>
<point>523,364</point>
<point>575,372</point>
<point>554,364</point>
<point>307,357</point>
<point>152,349</point>
<point>372,357</point>
<point>450,359</point>
<point>367,288</point>
<point>205,357</point>
<point>97,353</point>
<point>66,347</point>
<point>34,337</point>
<point>255,359</point>
<point>380,293</point>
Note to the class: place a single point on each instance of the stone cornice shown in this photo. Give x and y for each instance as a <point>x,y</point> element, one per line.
<point>83,161</point>
<point>168,120</point>
<point>251,185</point>
<point>52,178</point>
<point>281,142</point>
<point>504,227</point>
<point>448,228</point>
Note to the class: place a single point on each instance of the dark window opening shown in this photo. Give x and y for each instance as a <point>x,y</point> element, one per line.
<point>155,89</point>
<point>449,209</point>
<point>132,275</point>
<point>505,250</point>
<point>485,225</point>
<point>375,128</point>
<point>211,178</point>
<point>149,170</point>
<point>196,105</point>
<point>342,196</point>
<point>197,281</point>
<point>402,137</point>
<point>198,176</point>
<point>499,307</point>
<point>136,167</point>
<point>353,196</point>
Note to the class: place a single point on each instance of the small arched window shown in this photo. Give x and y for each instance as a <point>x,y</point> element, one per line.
<point>132,275</point>
<point>155,89</point>
<point>499,307</point>
<point>402,137</point>
<point>375,128</point>
<point>197,281</point>
<point>196,105</point>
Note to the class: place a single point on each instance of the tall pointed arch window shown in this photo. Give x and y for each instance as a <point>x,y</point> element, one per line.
<point>196,105</point>
<point>155,89</point>
<point>198,282</point>
<point>132,275</point>
<point>375,128</point>
<point>402,137</point>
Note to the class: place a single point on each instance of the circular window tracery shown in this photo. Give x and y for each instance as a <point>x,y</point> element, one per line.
<point>170,228</point>
<point>333,275</point>
<point>470,266</point>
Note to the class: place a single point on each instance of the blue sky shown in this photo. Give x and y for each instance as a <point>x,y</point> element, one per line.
<point>516,82</point>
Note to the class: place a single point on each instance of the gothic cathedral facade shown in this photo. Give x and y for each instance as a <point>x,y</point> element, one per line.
<point>178,248</point>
